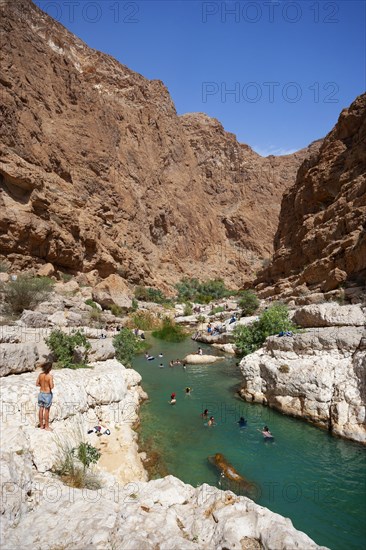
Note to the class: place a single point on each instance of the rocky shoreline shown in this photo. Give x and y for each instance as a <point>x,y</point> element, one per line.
<point>318,374</point>
<point>127,511</point>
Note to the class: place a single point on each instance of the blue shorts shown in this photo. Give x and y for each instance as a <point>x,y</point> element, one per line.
<point>45,399</point>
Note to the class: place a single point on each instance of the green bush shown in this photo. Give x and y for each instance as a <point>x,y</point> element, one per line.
<point>148,294</point>
<point>4,267</point>
<point>248,302</point>
<point>135,304</point>
<point>272,321</point>
<point>91,303</point>
<point>201,292</point>
<point>127,345</point>
<point>201,318</point>
<point>143,320</point>
<point>117,311</point>
<point>68,465</point>
<point>170,331</point>
<point>87,454</point>
<point>63,347</point>
<point>26,292</point>
<point>188,309</point>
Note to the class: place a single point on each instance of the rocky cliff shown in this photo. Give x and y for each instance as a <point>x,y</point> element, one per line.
<point>318,374</point>
<point>321,239</point>
<point>97,171</point>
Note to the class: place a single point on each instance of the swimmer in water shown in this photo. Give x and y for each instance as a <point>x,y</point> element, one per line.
<point>211,422</point>
<point>161,366</point>
<point>160,355</point>
<point>188,390</point>
<point>173,399</point>
<point>205,413</point>
<point>266,433</point>
<point>242,422</point>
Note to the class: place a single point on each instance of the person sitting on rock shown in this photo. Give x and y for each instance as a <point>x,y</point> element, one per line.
<point>199,351</point>
<point>46,384</point>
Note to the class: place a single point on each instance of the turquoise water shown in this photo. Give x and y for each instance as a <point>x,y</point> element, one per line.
<point>316,480</point>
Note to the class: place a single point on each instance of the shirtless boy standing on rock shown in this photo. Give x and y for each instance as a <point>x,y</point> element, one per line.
<point>45,381</point>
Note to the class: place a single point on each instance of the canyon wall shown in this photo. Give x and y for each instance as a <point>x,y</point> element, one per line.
<point>98,172</point>
<point>320,243</point>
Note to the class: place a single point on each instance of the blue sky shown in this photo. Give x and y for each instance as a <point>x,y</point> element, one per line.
<point>276,73</point>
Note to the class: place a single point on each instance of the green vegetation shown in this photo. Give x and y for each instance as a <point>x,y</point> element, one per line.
<point>4,266</point>
<point>218,309</point>
<point>96,317</point>
<point>201,319</point>
<point>272,321</point>
<point>201,292</point>
<point>66,277</point>
<point>74,463</point>
<point>26,292</point>
<point>87,454</point>
<point>70,350</point>
<point>148,294</point>
<point>170,332</point>
<point>117,311</point>
<point>248,303</point>
<point>188,309</point>
<point>127,345</point>
<point>135,304</point>
<point>143,320</point>
<point>91,303</point>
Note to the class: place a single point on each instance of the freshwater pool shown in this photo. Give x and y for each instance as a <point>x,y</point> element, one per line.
<point>317,480</point>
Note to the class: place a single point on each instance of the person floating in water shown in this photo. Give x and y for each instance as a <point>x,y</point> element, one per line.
<point>160,355</point>
<point>161,366</point>
<point>171,363</point>
<point>266,433</point>
<point>188,390</point>
<point>149,357</point>
<point>173,399</point>
<point>205,413</point>
<point>184,366</point>
<point>211,422</point>
<point>242,422</point>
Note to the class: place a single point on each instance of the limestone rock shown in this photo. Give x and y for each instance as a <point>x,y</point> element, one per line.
<point>17,358</point>
<point>101,350</point>
<point>227,348</point>
<point>329,314</point>
<point>113,290</point>
<point>34,319</point>
<point>317,375</point>
<point>47,270</point>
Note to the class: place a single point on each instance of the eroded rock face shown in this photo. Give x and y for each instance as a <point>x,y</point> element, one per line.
<point>17,358</point>
<point>318,375</point>
<point>113,290</point>
<point>321,238</point>
<point>99,175</point>
<point>330,314</point>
